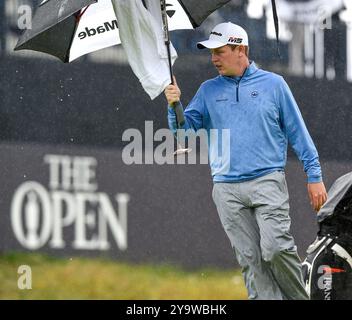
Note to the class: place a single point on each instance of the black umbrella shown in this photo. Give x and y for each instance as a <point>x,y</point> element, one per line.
<point>56,21</point>
<point>54,25</point>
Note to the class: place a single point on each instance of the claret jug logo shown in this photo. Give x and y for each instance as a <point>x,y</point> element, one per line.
<point>40,215</point>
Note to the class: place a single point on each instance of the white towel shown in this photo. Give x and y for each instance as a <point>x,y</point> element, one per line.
<point>141,34</point>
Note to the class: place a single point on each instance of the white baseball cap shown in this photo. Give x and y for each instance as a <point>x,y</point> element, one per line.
<point>223,34</point>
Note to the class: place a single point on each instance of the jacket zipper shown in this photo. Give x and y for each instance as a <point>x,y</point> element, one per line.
<point>237,91</point>
<point>238,87</point>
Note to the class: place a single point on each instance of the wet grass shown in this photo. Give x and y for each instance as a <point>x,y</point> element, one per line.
<point>83,278</point>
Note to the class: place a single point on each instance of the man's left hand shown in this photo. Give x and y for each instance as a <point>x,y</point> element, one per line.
<point>317,195</point>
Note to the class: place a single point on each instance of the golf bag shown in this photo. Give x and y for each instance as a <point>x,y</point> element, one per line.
<point>327,269</point>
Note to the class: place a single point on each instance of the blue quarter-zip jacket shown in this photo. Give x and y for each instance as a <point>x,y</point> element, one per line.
<point>253,118</point>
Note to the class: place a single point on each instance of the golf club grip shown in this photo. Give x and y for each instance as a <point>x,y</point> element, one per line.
<point>179,113</point>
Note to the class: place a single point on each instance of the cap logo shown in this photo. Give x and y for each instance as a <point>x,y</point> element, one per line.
<point>216,33</point>
<point>235,40</point>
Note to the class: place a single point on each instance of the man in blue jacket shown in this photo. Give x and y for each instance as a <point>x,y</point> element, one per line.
<point>250,192</point>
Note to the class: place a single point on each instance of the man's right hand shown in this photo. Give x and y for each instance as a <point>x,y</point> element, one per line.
<point>317,195</point>
<point>172,93</point>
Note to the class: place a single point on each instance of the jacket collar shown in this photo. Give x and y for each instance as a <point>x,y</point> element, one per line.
<point>251,69</point>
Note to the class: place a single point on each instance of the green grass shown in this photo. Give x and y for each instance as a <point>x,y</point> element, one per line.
<point>82,278</point>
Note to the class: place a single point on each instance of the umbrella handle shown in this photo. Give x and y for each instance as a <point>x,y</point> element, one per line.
<point>179,113</point>
<point>177,105</point>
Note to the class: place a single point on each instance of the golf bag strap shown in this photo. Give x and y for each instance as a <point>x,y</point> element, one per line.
<point>341,252</point>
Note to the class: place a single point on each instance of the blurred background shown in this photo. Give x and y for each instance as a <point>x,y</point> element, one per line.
<point>70,203</point>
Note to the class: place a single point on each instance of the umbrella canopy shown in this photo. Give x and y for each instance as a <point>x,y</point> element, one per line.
<point>69,29</point>
<point>199,12</point>
<point>54,25</point>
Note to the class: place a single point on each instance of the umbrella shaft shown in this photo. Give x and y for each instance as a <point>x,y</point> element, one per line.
<point>167,43</point>
<point>166,36</point>
<point>165,22</point>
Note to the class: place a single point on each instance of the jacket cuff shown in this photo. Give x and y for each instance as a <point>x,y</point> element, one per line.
<point>315,179</point>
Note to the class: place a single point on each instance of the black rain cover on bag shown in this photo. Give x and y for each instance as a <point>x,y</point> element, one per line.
<point>327,270</point>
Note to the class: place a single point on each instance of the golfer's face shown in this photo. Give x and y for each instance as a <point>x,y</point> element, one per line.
<point>225,60</point>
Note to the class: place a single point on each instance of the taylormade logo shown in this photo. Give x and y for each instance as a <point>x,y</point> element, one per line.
<point>216,33</point>
<point>106,27</point>
<point>71,203</point>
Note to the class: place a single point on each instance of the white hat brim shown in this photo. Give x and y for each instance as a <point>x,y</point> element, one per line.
<point>210,44</point>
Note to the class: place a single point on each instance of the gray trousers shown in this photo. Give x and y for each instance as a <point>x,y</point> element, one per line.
<point>255,217</point>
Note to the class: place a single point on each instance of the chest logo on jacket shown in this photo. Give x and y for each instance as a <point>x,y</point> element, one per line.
<point>254,94</point>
